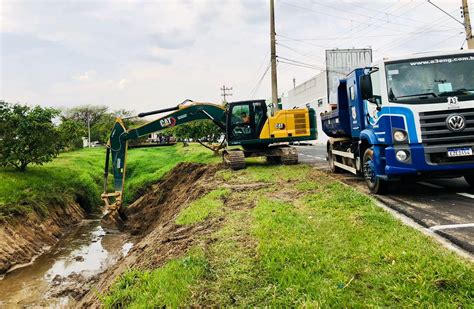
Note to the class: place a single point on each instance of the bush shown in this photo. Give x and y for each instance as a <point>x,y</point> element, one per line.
<point>27,135</point>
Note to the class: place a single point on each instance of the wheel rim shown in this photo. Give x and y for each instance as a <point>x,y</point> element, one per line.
<point>369,171</point>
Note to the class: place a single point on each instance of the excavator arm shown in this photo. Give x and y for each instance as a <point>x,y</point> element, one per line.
<point>118,145</point>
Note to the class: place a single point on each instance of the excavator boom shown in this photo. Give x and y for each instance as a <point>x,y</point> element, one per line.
<point>118,145</point>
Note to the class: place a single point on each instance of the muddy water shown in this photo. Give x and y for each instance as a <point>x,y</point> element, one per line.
<point>54,277</point>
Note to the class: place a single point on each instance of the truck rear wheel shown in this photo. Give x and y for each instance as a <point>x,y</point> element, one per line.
<point>375,184</point>
<point>470,180</point>
<point>332,160</point>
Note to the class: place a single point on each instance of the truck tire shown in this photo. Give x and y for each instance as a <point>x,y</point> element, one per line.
<point>332,159</point>
<point>375,184</point>
<point>470,180</point>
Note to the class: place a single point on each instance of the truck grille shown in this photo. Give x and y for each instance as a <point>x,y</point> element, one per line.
<point>435,132</point>
<point>300,124</point>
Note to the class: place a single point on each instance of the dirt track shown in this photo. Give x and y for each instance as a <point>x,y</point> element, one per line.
<point>151,221</point>
<point>24,238</point>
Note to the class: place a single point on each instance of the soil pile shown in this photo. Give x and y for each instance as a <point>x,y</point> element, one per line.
<point>24,238</point>
<point>151,220</point>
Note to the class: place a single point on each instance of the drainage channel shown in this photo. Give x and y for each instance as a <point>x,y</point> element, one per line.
<point>61,274</point>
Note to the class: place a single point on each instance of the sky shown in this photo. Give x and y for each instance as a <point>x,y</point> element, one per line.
<point>145,55</point>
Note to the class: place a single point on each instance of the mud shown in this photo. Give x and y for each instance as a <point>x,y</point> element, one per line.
<point>63,275</point>
<point>151,219</point>
<point>22,239</point>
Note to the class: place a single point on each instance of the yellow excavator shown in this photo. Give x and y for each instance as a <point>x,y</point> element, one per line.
<point>248,129</point>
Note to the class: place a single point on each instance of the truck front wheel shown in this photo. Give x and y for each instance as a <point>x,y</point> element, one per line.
<point>470,180</point>
<point>375,184</point>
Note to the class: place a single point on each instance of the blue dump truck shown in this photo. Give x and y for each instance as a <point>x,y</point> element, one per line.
<point>402,118</point>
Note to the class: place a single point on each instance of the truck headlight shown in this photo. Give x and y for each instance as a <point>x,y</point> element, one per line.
<point>402,155</point>
<point>400,136</point>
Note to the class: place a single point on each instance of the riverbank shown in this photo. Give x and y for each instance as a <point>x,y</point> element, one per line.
<point>24,238</point>
<point>41,204</point>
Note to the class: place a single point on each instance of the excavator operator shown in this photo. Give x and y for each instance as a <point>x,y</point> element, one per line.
<point>245,118</point>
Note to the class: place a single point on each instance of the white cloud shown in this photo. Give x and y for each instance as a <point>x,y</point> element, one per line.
<point>122,83</point>
<point>86,76</point>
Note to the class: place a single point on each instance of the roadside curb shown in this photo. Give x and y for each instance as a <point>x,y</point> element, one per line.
<point>441,238</point>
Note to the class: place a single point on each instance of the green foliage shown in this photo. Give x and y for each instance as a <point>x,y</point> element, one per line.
<point>200,131</point>
<point>168,286</point>
<point>78,175</point>
<point>27,135</point>
<point>202,208</point>
<point>70,134</point>
<point>73,176</point>
<point>101,121</point>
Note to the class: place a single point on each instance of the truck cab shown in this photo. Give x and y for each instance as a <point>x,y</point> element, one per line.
<point>405,117</point>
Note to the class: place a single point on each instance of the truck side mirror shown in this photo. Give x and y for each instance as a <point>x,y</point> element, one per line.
<point>366,87</point>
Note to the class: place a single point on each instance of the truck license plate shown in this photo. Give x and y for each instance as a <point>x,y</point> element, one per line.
<point>460,152</point>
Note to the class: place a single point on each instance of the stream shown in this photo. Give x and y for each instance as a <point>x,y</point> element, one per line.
<point>54,277</point>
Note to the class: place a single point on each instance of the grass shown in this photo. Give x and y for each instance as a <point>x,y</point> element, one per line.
<point>203,207</point>
<point>169,285</point>
<point>307,240</point>
<point>78,176</point>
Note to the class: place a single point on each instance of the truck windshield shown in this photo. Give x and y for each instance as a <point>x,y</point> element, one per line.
<point>431,79</point>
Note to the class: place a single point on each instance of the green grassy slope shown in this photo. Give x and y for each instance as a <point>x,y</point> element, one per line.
<point>78,176</point>
<point>303,240</point>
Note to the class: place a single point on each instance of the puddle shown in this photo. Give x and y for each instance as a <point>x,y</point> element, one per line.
<point>81,254</point>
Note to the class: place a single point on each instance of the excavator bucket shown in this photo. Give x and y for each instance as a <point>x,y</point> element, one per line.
<point>116,149</point>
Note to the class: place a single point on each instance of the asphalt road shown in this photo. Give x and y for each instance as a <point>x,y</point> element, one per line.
<point>445,206</point>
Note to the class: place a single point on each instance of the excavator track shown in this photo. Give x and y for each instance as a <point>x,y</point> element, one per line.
<point>235,159</point>
<point>289,155</point>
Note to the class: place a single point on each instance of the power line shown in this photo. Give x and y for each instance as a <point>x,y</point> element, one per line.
<point>257,86</point>
<point>299,65</point>
<point>383,48</point>
<point>339,17</point>
<point>439,8</point>
<point>378,11</point>
<point>358,37</point>
<point>362,27</point>
<point>363,15</point>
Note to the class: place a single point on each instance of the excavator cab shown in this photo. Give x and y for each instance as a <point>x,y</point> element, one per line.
<point>245,120</point>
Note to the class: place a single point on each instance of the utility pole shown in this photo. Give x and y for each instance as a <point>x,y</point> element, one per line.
<point>467,25</point>
<point>273,57</point>
<point>225,94</point>
<point>89,129</point>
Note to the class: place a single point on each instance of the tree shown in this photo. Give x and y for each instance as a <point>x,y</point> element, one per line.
<point>90,116</point>
<point>98,119</point>
<point>201,131</point>
<point>27,135</point>
<point>70,134</point>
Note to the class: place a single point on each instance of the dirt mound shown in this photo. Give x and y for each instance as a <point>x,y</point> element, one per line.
<point>151,219</point>
<point>24,238</point>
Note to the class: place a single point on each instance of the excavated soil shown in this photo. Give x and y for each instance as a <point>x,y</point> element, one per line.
<point>150,220</point>
<point>24,238</point>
